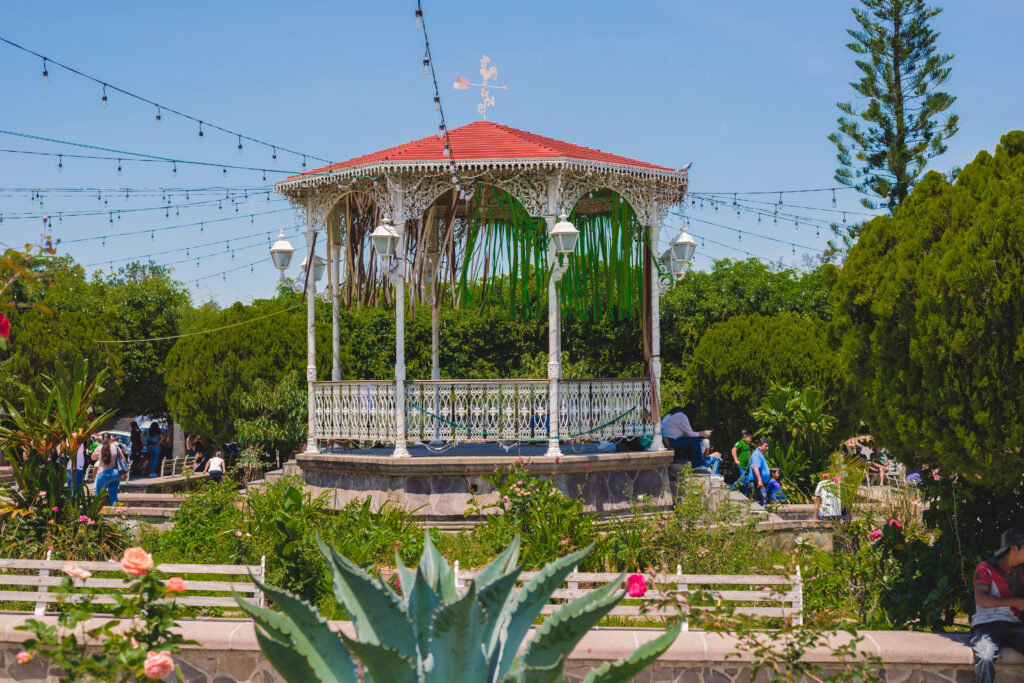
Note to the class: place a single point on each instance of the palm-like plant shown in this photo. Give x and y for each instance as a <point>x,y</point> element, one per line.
<point>427,632</point>
<point>798,422</point>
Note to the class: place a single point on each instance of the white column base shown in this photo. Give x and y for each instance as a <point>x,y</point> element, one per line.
<point>554,450</point>
<point>656,443</point>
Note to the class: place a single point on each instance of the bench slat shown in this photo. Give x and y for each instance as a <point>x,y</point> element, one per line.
<point>93,566</point>
<point>193,586</point>
<point>699,579</point>
<point>194,601</point>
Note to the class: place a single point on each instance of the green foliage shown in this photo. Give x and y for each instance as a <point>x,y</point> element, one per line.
<point>204,528</point>
<point>148,619</point>
<point>798,426</point>
<point>930,313</point>
<point>428,632</point>
<point>902,74</point>
<point>737,361</point>
<point>273,418</point>
<point>207,373</point>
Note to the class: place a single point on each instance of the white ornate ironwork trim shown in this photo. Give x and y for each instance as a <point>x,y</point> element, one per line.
<point>605,408</point>
<point>476,410</point>
<point>361,411</point>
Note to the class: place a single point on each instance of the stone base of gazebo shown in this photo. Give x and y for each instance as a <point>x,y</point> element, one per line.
<point>445,485</point>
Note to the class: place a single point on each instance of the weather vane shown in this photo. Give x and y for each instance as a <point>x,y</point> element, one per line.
<point>488,73</point>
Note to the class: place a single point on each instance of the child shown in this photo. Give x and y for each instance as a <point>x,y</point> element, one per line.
<point>996,622</point>
<point>774,487</point>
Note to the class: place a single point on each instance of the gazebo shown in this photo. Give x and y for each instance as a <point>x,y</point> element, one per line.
<point>437,220</point>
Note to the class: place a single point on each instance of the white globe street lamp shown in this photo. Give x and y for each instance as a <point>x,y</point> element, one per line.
<point>682,253</point>
<point>564,235</point>
<point>281,254</point>
<point>385,240</point>
<point>319,265</point>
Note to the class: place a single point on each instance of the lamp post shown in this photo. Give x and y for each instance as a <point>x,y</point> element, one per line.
<point>683,247</point>
<point>563,236</point>
<point>386,240</point>
<point>281,254</point>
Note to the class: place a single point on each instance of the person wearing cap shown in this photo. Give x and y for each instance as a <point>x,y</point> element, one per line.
<point>997,614</point>
<point>741,452</point>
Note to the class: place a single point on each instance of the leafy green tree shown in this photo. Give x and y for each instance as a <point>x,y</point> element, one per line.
<point>902,127</point>
<point>273,418</point>
<point>207,373</point>
<point>798,425</point>
<point>930,312</point>
<point>737,361</point>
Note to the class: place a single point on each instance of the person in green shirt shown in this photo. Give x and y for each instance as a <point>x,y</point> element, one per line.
<point>741,452</point>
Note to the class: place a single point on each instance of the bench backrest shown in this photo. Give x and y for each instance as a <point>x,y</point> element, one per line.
<point>30,581</point>
<point>765,596</point>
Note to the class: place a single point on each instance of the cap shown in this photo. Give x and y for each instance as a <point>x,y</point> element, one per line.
<point>1010,537</point>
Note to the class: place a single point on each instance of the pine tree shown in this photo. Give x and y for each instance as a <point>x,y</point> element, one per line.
<point>884,147</point>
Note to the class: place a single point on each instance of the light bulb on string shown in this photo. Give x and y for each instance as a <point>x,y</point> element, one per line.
<point>224,277</point>
<point>119,167</point>
<point>225,169</point>
<point>186,195</point>
<point>99,196</point>
<point>167,214</point>
<point>758,219</point>
<point>220,207</point>
<point>187,255</point>
<point>104,95</point>
<point>200,131</point>
<point>446,151</point>
<point>239,145</point>
<point>177,211</point>
<point>794,249</point>
<point>780,200</point>
<point>252,268</point>
<point>419,17</point>
<point>264,176</point>
<point>158,116</point>
<point>202,226</point>
<point>844,218</point>
<point>252,219</point>
<point>437,103</point>
<point>817,231</point>
<point>273,158</point>
<point>152,236</point>
<point>103,242</point>
<point>174,169</point>
<point>693,202</point>
<point>303,162</point>
<point>734,199</point>
<point>197,263</point>
<point>118,216</point>
<point>46,74</point>
<point>775,218</point>
<point>440,129</point>
<point>426,66</point>
<point>110,217</point>
<point>60,164</point>
<point>796,224</point>
<point>833,199</point>
<point>60,218</point>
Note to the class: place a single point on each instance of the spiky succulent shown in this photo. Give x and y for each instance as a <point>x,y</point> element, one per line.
<point>429,633</point>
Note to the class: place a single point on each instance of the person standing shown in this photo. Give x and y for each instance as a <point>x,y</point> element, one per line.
<point>741,453</point>
<point>108,473</point>
<point>997,614</point>
<point>827,503</point>
<point>758,472</point>
<point>76,469</point>
<point>153,439</point>
<point>138,448</point>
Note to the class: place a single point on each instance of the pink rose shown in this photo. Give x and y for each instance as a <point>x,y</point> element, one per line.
<point>137,562</point>
<point>24,657</point>
<point>49,547</point>
<point>895,523</point>
<point>875,534</point>
<point>158,665</point>
<point>248,535</point>
<point>5,333</point>
<point>76,572</point>
<point>238,533</point>
<point>636,586</point>
<point>83,518</point>
<point>836,479</point>
<point>90,523</point>
<point>56,509</point>
<point>504,499</point>
<point>175,584</point>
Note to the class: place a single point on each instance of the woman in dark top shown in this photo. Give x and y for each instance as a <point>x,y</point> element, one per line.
<point>138,449</point>
<point>153,447</point>
<point>201,455</point>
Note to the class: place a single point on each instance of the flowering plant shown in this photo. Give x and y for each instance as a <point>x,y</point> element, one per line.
<point>138,646</point>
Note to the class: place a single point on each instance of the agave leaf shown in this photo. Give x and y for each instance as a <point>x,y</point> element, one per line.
<point>377,613</point>
<point>406,576</point>
<point>455,645</point>
<point>535,674</point>
<point>495,597</point>
<point>423,602</point>
<point>384,663</point>
<point>500,565</point>
<point>437,571</point>
<point>286,659</point>
<point>310,638</point>
<point>530,600</point>
<point>560,632</point>
<point>625,669</point>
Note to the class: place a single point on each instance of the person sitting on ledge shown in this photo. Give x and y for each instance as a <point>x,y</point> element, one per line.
<point>708,459</point>
<point>681,437</point>
<point>773,490</point>
<point>997,615</point>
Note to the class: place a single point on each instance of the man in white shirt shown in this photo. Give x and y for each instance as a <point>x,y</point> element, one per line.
<point>680,435</point>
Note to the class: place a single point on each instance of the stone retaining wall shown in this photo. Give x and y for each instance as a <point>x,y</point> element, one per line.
<point>228,652</point>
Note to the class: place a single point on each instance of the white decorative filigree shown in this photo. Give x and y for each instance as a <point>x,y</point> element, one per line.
<point>604,408</point>
<point>476,410</point>
<point>358,411</point>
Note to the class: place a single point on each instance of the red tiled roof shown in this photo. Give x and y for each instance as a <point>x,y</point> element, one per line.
<point>489,140</point>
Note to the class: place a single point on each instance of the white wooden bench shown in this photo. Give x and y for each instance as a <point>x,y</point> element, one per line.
<point>767,596</point>
<point>174,466</point>
<point>17,584</point>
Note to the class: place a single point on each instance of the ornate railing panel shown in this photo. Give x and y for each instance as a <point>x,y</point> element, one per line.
<point>361,411</point>
<point>604,408</point>
<point>476,410</point>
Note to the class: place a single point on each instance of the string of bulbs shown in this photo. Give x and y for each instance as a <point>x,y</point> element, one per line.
<point>428,70</point>
<point>162,108</point>
<point>200,224</point>
<point>188,250</point>
<point>235,199</point>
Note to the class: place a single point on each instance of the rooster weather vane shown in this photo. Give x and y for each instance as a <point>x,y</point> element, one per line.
<point>488,73</point>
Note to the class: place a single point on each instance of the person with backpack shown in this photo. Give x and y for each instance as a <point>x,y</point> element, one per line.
<point>997,614</point>
<point>107,457</point>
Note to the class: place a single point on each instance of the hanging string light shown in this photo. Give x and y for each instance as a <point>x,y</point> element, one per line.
<point>104,95</point>
<point>833,199</point>
<point>118,167</point>
<point>46,74</point>
<point>419,17</point>
<point>200,131</point>
<point>239,145</point>
<point>426,65</point>
<point>158,116</point>
<point>60,164</point>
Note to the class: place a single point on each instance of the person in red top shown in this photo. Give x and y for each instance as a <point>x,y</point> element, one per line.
<point>997,616</point>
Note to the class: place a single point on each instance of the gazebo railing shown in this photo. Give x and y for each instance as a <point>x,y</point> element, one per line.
<point>605,408</point>
<point>358,410</point>
<point>476,410</point>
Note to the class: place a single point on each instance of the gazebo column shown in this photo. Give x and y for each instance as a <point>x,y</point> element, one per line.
<point>310,235</point>
<point>554,346</point>
<point>334,264</point>
<point>656,443</point>
<point>398,278</point>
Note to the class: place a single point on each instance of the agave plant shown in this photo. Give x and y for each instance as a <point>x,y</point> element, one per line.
<point>426,631</point>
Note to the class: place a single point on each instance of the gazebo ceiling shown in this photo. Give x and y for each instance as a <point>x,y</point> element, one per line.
<point>404,180</point>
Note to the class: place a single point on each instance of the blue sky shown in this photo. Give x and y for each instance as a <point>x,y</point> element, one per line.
<point>745,90</point>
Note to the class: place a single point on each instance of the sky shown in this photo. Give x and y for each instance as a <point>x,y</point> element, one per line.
<point>744,90</point>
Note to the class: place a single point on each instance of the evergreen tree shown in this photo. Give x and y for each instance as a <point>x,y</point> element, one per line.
<point>884,147</point>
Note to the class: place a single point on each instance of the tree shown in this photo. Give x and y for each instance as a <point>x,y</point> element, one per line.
<point>902,74</point>
<point>737,361</point>
<point>207,373</point>
<point>273,418</point>
<point>930,312</point>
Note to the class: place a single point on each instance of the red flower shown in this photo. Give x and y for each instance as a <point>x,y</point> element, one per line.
<point>636,585</point>
<point>5,327</point>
